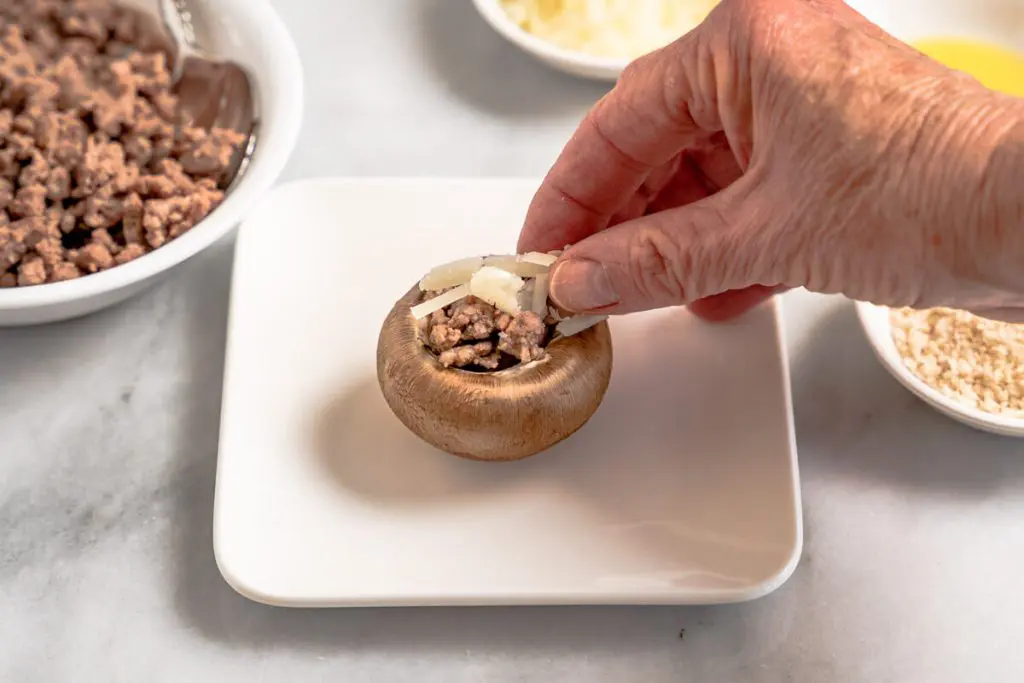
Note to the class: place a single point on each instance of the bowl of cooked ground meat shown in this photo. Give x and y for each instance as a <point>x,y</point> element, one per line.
<point>104,186</point>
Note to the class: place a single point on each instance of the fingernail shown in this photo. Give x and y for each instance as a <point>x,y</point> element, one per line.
<point>582,285</point>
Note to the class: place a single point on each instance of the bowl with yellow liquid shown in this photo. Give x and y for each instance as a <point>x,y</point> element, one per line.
<point>597,39</point>
<point>996,66</point>
<point>985,39</point>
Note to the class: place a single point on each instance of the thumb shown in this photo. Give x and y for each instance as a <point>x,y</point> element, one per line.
<point>671,258</point>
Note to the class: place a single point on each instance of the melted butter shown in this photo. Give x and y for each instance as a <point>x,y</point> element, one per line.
<point>996,67</point>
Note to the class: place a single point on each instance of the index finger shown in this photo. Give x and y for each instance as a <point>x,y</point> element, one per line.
<point>640,125</point>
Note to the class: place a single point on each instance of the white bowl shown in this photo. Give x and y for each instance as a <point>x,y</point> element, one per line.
<point>995,21</point>
<point>999,21</point>
<point>878,329</point>
<point>568,61</point>
<point>249,32</point>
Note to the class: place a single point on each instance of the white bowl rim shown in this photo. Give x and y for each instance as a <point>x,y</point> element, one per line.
<point>497,18</point>
<point>274,148</point>
<point>609,68</point>
<point>874,320</point>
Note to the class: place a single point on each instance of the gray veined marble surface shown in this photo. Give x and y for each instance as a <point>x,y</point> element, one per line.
<point>913,568</point>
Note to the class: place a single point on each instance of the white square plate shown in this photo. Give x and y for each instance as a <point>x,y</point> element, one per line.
<point>682,489</point>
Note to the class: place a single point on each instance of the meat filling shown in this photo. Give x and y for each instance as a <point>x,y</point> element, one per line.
<point>95,167</point>
<point>474,335</point>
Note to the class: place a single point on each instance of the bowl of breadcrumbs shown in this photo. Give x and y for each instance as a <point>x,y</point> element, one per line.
<point>968,367</point>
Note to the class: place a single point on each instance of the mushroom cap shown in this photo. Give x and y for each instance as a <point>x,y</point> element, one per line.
<point>504,415</point>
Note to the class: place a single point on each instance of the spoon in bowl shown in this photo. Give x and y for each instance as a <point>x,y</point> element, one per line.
<point>212,92</point>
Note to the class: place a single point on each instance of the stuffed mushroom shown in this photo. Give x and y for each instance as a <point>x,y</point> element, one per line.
<point>477,361</point>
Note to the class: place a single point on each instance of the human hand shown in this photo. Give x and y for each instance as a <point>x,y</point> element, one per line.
<point>787,143</point>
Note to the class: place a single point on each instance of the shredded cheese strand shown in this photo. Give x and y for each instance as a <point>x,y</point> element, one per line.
<point>510,283</point>
<point>424,309</point>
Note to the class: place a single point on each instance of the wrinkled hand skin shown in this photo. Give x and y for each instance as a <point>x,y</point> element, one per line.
<point>781,144</point>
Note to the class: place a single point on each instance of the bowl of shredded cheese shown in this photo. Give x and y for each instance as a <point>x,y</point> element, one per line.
<point>592,38</point>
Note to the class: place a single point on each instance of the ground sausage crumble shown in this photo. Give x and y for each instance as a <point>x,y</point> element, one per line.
<point>474,335</point>
<point>95,168</point>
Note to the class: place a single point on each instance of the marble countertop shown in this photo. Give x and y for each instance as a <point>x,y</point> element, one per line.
<point>108,434</point>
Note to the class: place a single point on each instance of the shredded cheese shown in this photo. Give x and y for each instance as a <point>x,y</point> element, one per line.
<point>537,258</point>
<point>539,304</point>
<point>516,264</point>
<point>511,283</point>
<point>577,323</point>
<point>451,274</point>
<point>497,287</point>
<point>440,301</point>
<point>609,28</point>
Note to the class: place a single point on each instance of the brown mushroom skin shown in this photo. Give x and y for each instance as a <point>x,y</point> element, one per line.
<point>494,416</point>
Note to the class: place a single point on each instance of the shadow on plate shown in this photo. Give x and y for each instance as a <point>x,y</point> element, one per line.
<point>641,452</point>
<point>643,434</point>
<point>488,72</point>
<point>366,449</point>
<point>852,416</point>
